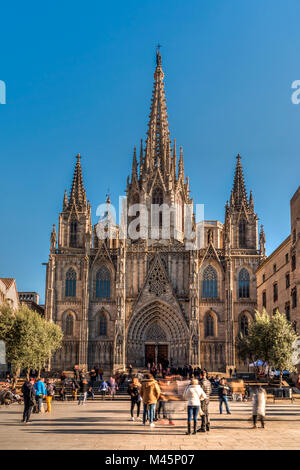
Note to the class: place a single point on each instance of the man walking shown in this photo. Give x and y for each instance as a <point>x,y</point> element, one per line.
<point>206,387</point>
<point>150,393</point>
<point>40,393</point>
<point>223,391</point>
<point>28,395</point>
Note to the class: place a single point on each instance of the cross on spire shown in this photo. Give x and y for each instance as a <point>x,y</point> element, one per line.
<point>77,194</point>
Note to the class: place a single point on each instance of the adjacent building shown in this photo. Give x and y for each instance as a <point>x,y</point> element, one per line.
<point>278,276</point>
<point>32,300</point>
<point>9,294</point>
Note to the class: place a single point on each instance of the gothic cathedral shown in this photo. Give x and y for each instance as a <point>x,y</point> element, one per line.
<point>124,301</point>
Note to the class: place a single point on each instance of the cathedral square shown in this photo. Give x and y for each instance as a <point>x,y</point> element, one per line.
<point>150,242</point>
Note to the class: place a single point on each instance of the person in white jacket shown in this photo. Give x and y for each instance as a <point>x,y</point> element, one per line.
<point>193,393</point>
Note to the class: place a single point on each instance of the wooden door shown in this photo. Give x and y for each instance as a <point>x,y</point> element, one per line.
<point>162,354</point>
<point>149,354</point>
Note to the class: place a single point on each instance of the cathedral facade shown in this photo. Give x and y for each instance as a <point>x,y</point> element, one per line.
<point>123,300</point>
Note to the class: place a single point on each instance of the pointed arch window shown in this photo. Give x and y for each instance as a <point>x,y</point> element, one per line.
<point>73,233</point>
<point>103,283</point>
<point>244,325</point>
<point>242,234</point>
<point>71,277</point>
<point>210,283</point>
<point>244,283</point>
<point>209,325</point>
<point>158,198</point>
<point>103,325</point>
<point>69,325</point>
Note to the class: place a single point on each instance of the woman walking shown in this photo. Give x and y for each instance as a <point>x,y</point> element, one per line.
<point>135,398</point>
<point>193,393</point>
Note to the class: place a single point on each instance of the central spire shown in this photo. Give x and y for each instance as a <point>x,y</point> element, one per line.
<point>158,127</point>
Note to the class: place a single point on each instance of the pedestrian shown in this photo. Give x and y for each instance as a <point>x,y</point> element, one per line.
<point>230,372</point>
<point>62,392</point>
<point>90,392</point>
<point>161,404</point>
<point>83,391</point>
<point>51,389</point>
<point>135,398</point>
<point>100,373</point>
<point>28,392</point>
<point>150,393</point>
<point>103,389</point>
<point>113,387</point>
<point>193,393</point>
<point>223,391</point>
<point>206,386</point>
<point>40,393</point>
<point>259,406</point>
<point>75,387</point>
<point>96,368</point>
<point>76,372</point>
<point>93,376</point>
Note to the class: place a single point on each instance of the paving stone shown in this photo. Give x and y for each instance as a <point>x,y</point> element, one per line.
<point>107,426</point>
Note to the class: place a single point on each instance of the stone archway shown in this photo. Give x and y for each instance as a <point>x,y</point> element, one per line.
<point>158,330</point>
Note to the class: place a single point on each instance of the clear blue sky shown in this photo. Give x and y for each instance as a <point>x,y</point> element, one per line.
<point>79,79</point>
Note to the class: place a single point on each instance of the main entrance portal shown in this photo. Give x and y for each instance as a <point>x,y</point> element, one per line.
<point>157,353</point>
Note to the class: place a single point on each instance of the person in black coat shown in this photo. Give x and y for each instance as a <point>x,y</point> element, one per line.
<point>28,395</point>
<point>83,391</point>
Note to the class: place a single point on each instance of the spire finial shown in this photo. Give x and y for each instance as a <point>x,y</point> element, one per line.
<point>78,156</point>
<point>107,200</point>
<point>158,56</point>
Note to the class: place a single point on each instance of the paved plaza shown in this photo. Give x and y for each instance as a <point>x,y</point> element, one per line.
<point>106,425</point>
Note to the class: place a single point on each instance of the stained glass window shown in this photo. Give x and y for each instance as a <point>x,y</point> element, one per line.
<point>244,283</point>
<point>210,283</point>
<point>71,283</point>
<point>103,283</point>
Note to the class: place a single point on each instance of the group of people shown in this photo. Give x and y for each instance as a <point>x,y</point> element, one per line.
<point>155,400</point>
<point>34,391</point>
<point>86,388</point>
<point>159,400</point>
<point>159,397</point>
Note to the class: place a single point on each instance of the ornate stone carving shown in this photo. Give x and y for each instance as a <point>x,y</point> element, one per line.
<point>155,333</point>
<point>157,281</point>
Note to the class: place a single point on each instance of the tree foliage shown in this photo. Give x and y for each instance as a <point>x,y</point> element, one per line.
<point>270,339</point>
<point>29,339</point>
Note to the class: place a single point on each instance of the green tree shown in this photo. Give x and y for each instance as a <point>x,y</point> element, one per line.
<point>29,339</point>
<point>270,339</point>
<point>282,338</point>
<point>257,344</point>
